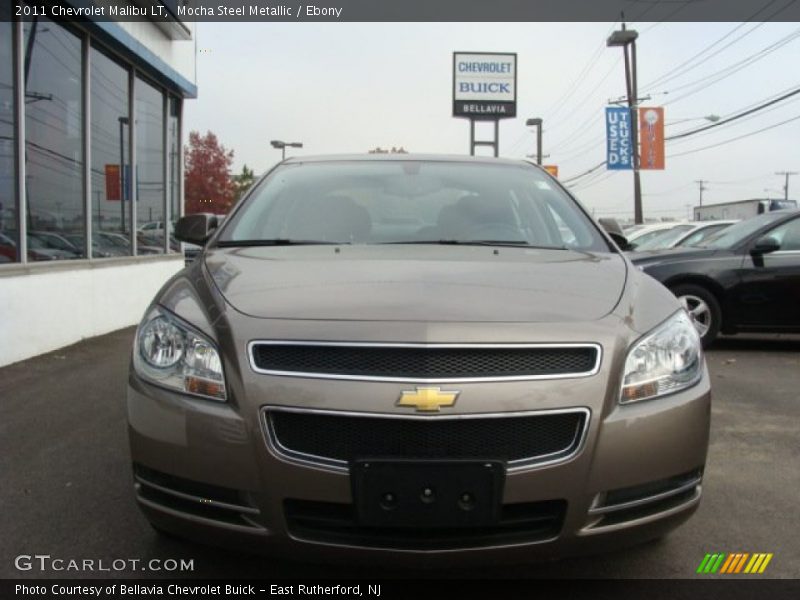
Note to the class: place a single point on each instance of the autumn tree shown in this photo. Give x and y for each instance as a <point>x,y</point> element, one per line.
<point>208,184</point>
<point>242,182</point>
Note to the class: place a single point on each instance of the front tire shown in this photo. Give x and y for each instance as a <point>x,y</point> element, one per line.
<point>703,309</point>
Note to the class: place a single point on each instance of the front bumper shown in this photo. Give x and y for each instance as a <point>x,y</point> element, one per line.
<point>207,472</point>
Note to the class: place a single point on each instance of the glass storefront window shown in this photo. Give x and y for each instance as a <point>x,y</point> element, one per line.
<point>111,191</point>
<point>149,177</point>
<point>8,194</point>
<point>173,169</point>
<point>53,141</point>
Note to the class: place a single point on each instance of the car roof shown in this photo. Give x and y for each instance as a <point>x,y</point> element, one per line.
<point>410,157</point>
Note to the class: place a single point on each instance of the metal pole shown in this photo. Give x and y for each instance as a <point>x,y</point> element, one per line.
<point>496,138</point>
<point>539,144</point>
<point>786,174</point>
<point>472,137</point>
<point>283,152</point>
<point>21,156</point>
<point>87,146</point>
<point>121,177</point>
<point>633,101</point>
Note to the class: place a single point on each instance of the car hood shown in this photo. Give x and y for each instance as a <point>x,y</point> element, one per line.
<point>671,255</point>
<point>418,283</point>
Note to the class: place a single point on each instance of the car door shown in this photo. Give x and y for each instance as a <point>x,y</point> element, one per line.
<point>769,293</point>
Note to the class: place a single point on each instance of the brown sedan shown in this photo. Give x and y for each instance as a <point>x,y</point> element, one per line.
<point>415,359</point>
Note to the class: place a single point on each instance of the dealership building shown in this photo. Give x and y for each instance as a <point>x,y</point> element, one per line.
<point>90,172</point>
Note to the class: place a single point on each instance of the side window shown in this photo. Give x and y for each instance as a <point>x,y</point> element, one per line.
<point>788,235</point>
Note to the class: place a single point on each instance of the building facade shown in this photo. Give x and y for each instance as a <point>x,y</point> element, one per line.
<point>90,173</point>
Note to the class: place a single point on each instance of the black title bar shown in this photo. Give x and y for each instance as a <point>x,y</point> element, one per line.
<point>409,10</point>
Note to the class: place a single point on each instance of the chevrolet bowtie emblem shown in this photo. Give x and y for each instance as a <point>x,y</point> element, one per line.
<point>427,399</point>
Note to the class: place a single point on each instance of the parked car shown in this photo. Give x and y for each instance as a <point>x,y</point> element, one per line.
<point>405,358</point>
<point>649,231</point>
<point>55,241</point>
<point>745,278</point>
<point>685,235</point>
<point>37,249</point>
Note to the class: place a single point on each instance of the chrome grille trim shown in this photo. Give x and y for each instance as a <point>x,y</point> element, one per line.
<point>610,508</point>
<point>355,377</point>
<point>341,466</point>
<point>248,510</point>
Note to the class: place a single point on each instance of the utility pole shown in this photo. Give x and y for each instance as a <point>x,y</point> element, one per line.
<point>786,174</point>
<point>701,185</point>
<point>627,37</point>
<point>537,122</point>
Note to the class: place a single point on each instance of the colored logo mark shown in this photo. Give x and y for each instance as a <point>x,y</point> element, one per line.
<point>735,562</point>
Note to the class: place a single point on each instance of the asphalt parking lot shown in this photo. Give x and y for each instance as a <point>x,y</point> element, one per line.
<point>67,485</point>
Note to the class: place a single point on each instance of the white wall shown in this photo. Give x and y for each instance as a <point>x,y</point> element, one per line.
<point>45,309</point>
<point>178,54</point>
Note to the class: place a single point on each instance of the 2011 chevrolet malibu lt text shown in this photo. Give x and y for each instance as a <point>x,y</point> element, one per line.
<point>428,360</point>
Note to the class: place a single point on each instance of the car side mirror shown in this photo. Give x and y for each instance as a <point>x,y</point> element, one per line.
<point>621,241</point>
<point>197,228</point>
<point>765,245</point>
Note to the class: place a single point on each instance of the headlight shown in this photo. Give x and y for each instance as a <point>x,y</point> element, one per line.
<point>668,359</point>
<point>170,353</point>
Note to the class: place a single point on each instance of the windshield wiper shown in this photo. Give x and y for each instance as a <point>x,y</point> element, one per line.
<point>513,243</point>
<point>274,242</point>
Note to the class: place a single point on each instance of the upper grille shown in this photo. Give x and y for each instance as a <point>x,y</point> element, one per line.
<point>327,437</point>
<point>395,362</point>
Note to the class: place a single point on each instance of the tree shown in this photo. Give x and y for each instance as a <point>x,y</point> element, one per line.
<point>242,182</point>
<point>208,183</point>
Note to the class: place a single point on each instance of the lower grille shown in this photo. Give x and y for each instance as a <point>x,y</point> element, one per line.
<point>332,523</point>
<point>338,439</point>
<point>636,502</point>
<point>192,497</point>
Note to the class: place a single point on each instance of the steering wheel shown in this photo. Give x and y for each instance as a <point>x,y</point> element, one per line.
<point>495,231</point>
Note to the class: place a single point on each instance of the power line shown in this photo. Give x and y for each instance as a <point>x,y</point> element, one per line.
<point>677,72</point>
<point>714,78</point>
<point>736,117</point>
<point>735,138</point>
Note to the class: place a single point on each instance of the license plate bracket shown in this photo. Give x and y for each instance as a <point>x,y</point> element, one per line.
<point>443,494</point>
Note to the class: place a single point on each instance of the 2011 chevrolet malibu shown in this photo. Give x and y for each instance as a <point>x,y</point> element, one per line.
<point>415,359</point>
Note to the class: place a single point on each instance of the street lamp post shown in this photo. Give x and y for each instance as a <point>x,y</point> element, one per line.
<point>624,38</point>
<point>282,146</point>
<point>537,122</point>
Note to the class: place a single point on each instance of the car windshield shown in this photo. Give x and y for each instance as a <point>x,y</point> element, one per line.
<point>408,201</point>
<point>699,236</point>
<point>664,239</point>
<point>731,236</point>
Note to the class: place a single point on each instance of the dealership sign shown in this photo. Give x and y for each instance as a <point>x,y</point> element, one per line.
<point>484,85</point>
<point>619,141</point>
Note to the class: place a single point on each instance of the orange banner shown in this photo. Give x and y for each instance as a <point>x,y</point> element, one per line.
<point>651,137</point>
<point>112,182</point>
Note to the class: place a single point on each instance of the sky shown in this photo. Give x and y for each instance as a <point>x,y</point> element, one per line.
<point>349,87</point>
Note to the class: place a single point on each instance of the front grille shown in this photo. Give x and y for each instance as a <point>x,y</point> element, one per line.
<point>424,362</point>
<point>328,437</point>
<point>332,523</point>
